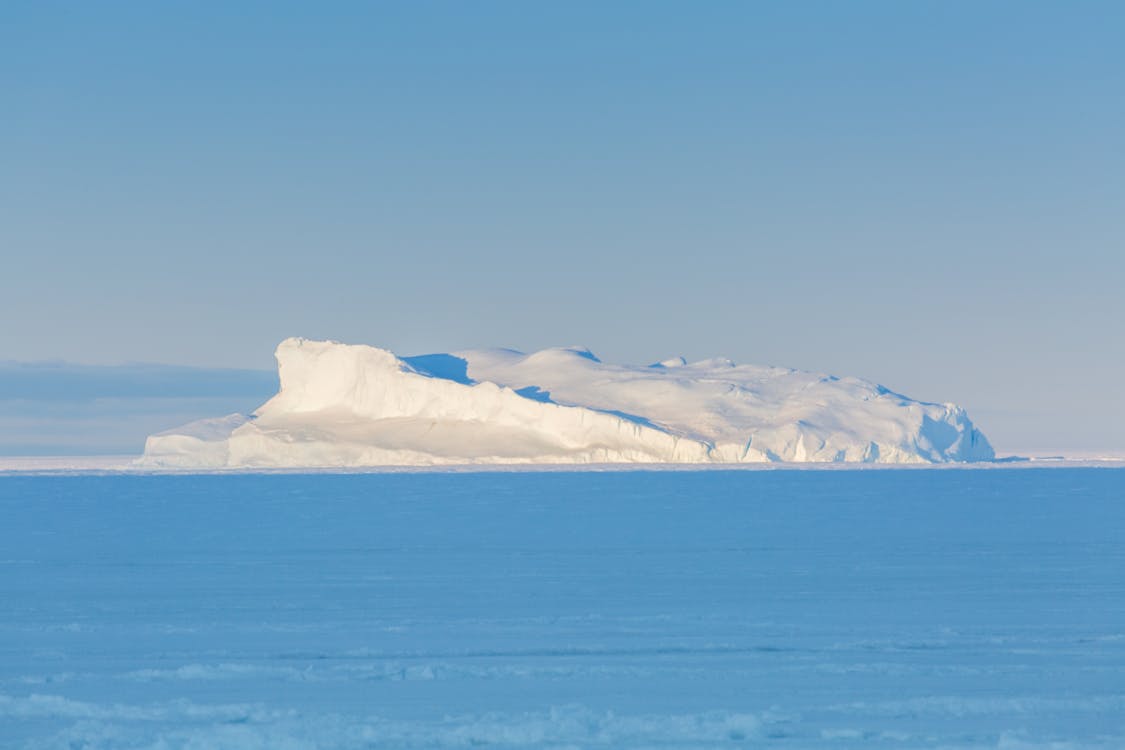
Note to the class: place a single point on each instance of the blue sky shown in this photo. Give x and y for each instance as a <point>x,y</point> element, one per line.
<point>928,194</point>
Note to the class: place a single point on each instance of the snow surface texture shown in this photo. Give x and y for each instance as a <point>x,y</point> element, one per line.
<point>354,405</point>
<point>772,610</point>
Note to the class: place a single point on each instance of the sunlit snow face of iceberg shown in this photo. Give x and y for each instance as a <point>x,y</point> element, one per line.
<point>343,405</point>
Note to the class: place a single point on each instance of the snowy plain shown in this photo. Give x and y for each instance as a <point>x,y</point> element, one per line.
<point>894,608</point>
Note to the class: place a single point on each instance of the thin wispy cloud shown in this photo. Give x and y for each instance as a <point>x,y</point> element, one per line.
<point>62,408</point>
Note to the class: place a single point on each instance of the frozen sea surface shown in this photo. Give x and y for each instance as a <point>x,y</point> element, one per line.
<point>781,609</point>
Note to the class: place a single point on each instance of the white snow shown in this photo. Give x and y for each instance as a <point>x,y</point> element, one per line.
<point>343,405</point>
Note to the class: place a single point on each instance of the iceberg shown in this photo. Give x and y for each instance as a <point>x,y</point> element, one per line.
<point>342,405</point>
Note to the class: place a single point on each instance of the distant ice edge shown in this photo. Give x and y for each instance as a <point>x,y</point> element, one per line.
<point>342,405</point>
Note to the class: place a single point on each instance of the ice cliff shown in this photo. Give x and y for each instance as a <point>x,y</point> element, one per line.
<point>345,405</point>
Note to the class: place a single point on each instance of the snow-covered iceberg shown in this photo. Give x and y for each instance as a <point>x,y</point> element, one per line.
<point>343,405</point>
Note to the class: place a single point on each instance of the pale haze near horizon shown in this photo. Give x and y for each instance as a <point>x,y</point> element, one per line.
<point>929,195</point>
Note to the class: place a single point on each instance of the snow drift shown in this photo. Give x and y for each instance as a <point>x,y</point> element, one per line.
<point>345,405</point>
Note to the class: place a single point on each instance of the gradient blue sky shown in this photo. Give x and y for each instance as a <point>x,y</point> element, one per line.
<point>928,194</point>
